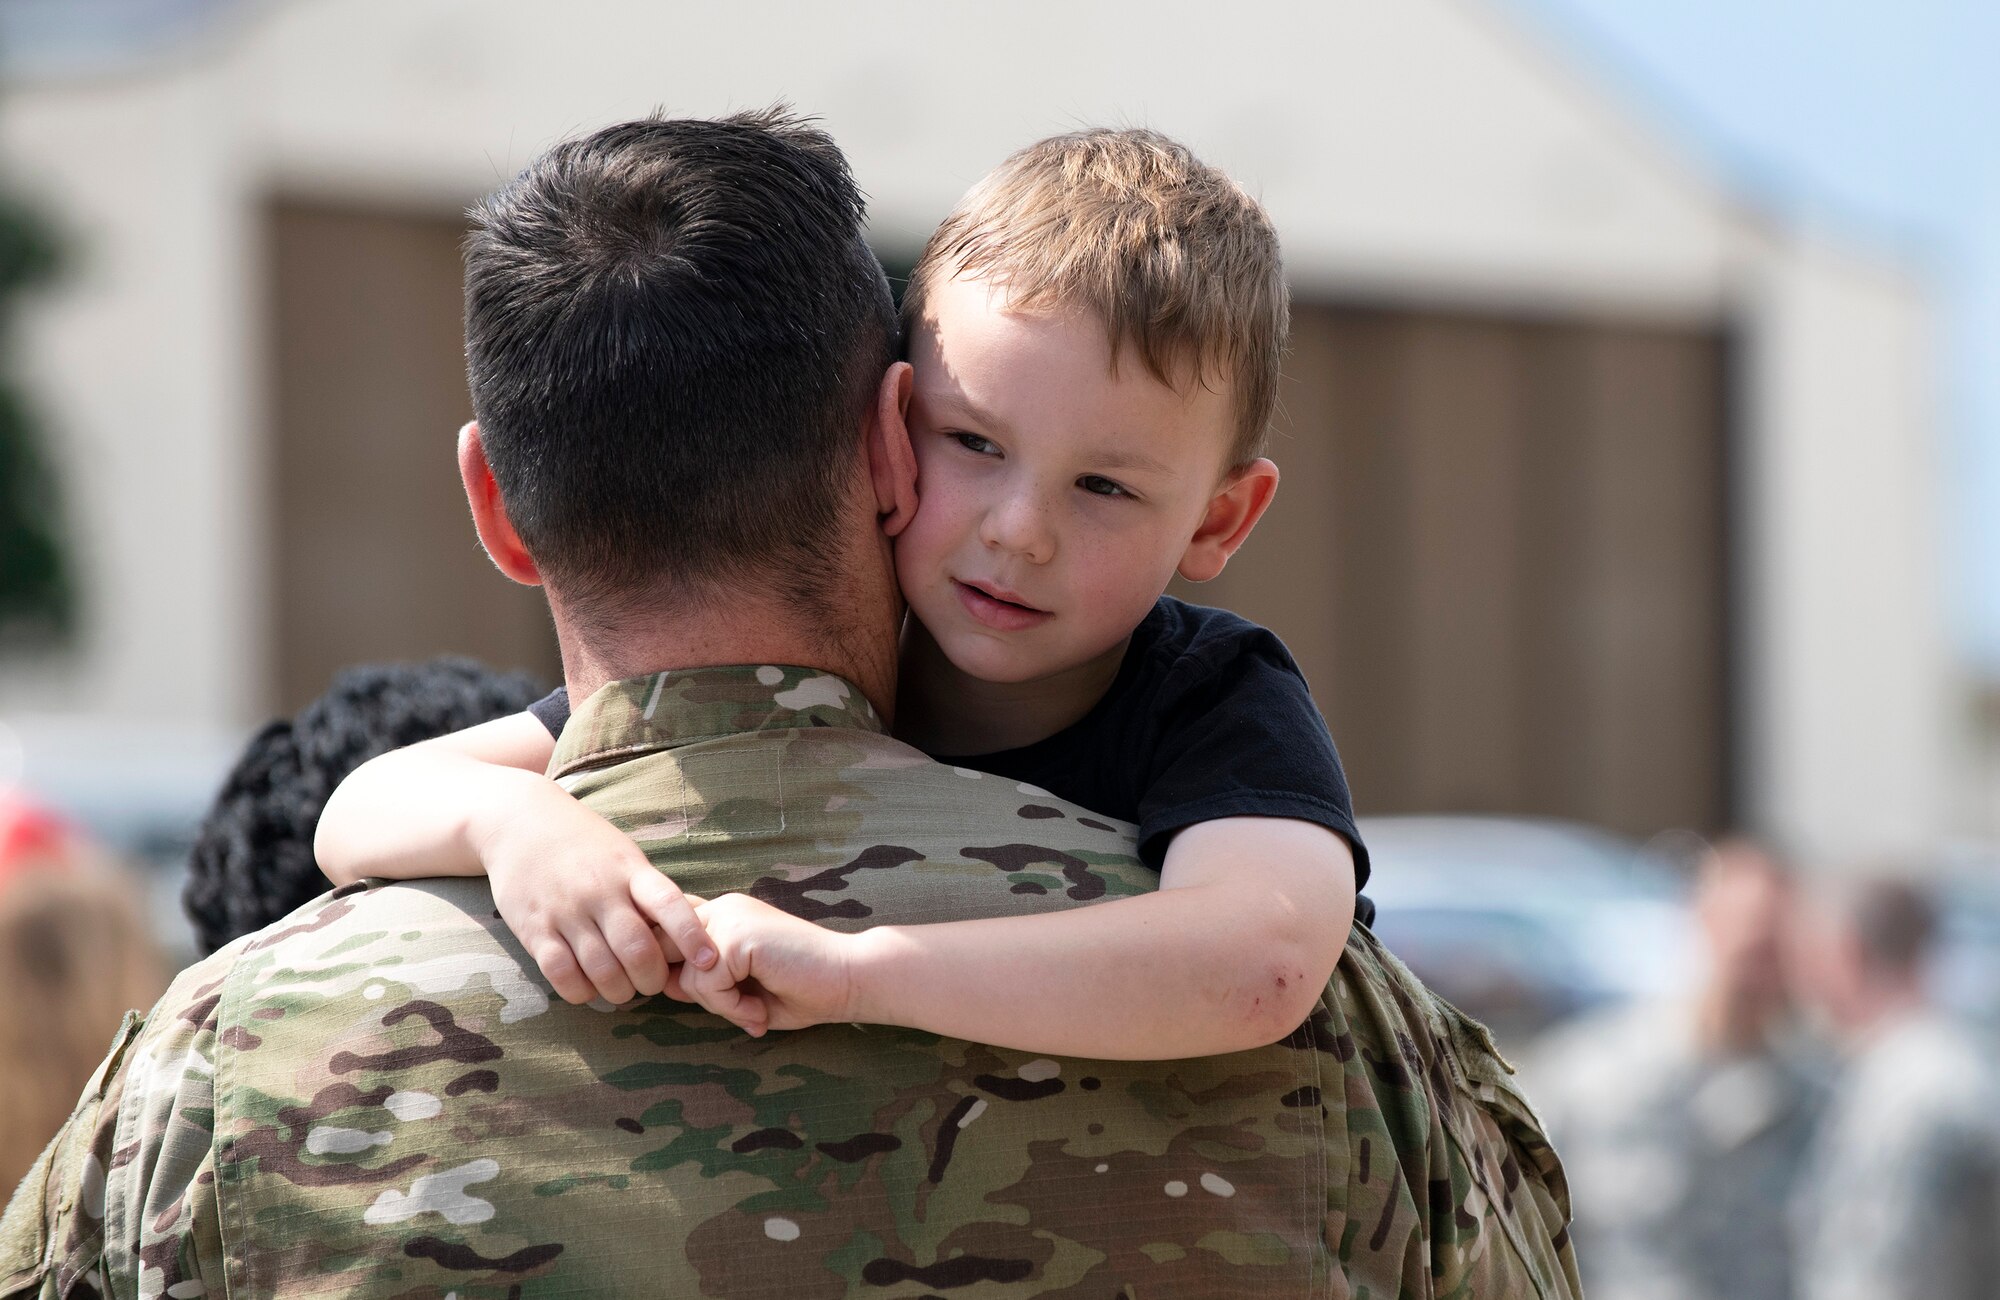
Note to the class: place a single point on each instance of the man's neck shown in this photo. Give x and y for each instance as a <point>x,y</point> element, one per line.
<point>860,649</point>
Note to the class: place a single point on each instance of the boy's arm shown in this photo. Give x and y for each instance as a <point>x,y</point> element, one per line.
<point>1231,953</point>
<point>424,810</point>
<point>576,891</point>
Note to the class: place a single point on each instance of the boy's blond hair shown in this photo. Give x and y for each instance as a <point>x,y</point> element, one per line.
<point>1172,255</point>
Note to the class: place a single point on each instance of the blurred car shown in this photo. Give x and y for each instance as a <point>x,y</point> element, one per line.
<point>1522,922</point>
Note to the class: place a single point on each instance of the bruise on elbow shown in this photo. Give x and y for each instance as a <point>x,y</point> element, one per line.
<point>1279,1002</point>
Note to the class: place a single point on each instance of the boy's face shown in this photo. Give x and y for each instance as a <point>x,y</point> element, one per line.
<point>1054,500</point>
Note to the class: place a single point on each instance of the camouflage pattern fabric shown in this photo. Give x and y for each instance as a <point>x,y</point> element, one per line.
<point>380,1097</point>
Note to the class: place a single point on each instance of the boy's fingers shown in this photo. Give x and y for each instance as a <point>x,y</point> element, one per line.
<point>674,913</point>
<point>721,994</point>
<point>744,1010</point>
<point>601,967</point>
<point>676,988</point>
<point>756,1013</point>
<point>637,950</point>
<point>559,967</point>
<point>715,983</point>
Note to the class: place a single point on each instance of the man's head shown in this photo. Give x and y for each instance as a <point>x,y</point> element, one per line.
<point>676,335</point>
<point>1866,961</point>
<point>1064,485</point>
<point>1745,903</point>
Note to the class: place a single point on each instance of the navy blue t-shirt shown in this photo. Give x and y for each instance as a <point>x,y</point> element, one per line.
<point>1208,718</point>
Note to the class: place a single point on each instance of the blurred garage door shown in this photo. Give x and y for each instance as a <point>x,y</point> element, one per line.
<point>374,557</point>
<point>1500,553</point>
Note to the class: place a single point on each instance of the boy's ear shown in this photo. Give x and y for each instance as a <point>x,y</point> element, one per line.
<point>489,513</point>
<point>892,465</point>
<point>1235,509</point>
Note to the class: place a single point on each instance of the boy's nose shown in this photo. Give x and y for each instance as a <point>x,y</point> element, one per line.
<point>1019,526</point>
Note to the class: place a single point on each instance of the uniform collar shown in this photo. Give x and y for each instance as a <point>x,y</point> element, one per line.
<point>639,715</point>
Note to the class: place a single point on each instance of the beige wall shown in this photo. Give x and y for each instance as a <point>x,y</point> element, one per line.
<point>145,365</point>
<point>1859,723</point>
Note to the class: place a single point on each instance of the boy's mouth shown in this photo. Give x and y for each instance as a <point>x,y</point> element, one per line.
<point>998,608</point>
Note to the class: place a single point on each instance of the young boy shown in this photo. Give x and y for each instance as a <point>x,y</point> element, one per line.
<point>1095,335</point>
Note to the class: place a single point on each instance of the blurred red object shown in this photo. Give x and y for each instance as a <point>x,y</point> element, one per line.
<point>31,837</point>
<point>75,954</point>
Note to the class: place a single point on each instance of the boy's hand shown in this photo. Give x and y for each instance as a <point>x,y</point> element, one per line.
<point>775,970</point>
<point>598,918</point>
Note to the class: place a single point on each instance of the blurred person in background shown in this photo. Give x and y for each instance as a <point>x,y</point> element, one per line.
<point>1903,1193</point>
<point>1684,1125</point>
<point>253,860</point>
<point>75,956</point>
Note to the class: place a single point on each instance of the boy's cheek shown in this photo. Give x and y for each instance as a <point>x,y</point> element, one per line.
<point>919,556</point>
<point>933,530</point>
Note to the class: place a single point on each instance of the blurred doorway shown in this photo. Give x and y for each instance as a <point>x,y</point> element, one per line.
<point>373,553</point>
<point>1500,555</point>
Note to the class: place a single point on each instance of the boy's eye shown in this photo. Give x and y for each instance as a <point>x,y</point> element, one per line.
<point>1098,485</point>
<point>973,442</point>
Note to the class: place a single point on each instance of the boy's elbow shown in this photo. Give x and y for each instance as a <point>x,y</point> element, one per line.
<point>1281,958</point>
<point>1287,988</point>
<point>338,873</point>
<point>326,854</point>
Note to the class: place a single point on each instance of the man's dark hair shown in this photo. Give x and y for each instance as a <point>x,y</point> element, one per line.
<point>1894,921</point>
<point>253,860</point>
<point>673,329</point>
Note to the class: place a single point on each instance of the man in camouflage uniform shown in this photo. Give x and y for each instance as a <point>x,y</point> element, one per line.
<point>379,1097</point>
<point>1901,1200</point>
<point>1684,1122</point>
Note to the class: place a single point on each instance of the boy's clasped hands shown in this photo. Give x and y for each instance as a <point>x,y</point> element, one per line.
<point>603,923</point>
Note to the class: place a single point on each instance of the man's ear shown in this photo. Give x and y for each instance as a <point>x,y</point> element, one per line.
<point>489,513</point>
<point>892,465</point>
<point>1235,509</point>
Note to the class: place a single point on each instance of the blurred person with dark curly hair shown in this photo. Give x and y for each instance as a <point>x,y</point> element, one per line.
<point>253,861</point>
<point>75,956</point>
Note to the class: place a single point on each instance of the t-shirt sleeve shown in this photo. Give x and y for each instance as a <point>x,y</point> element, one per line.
<point>1241,737</point>
<point>552,711</point>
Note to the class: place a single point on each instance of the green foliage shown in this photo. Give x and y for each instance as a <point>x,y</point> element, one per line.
<point>37,600</point>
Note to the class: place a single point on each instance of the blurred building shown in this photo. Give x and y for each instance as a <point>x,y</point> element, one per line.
<point>1604,497</point>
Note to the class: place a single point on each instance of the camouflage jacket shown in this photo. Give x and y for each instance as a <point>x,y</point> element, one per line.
<point>378,1096</point>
